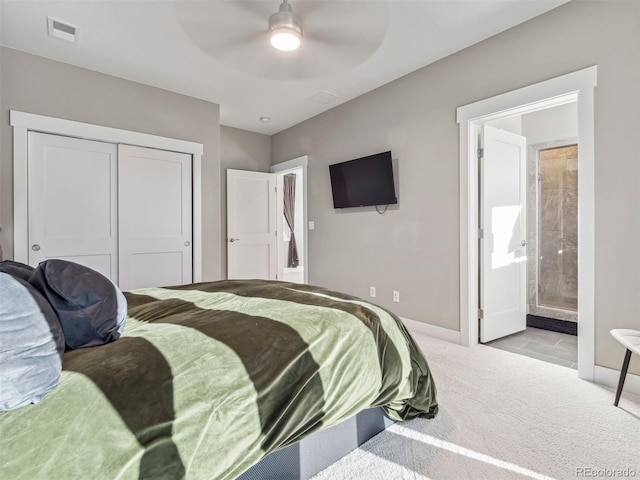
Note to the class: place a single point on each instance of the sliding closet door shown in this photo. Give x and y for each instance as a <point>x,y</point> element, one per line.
<point>155,219</point>
<point>72,196</point>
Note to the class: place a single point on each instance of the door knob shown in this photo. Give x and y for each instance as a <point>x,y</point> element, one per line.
<point>234,240</point>
<point>523,243</point>
<point>186,244</point>
<point>35,247</point>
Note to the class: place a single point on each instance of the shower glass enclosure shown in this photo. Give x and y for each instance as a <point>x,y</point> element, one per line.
<point>557,231</point>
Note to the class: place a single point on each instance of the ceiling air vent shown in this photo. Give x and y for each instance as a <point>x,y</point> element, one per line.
<point>323,97</point>
<point>62,30</point>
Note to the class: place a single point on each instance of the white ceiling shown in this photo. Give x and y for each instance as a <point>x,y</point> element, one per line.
<point>219,50</point>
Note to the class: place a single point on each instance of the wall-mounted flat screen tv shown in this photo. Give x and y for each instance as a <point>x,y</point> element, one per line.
<point>363,181</point>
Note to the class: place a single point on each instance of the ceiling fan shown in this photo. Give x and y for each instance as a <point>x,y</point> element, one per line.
<point>241,34</point>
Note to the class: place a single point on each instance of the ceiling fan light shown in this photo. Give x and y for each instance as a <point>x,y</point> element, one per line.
<point>285,29</point>
<point>285,39</point>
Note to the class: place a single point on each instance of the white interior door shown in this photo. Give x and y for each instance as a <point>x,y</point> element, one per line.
<point>72,197</point>
<point>503,246</point>
<point>251,225</point>
<point>155,217</point>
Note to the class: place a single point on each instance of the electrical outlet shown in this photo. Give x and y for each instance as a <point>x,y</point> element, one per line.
<point>396,296</point>
<point>372,292</point>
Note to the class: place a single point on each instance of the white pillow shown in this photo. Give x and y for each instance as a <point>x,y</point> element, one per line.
<point>31,344</point>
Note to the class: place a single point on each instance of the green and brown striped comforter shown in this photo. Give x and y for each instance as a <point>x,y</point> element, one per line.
<point>211,377</point>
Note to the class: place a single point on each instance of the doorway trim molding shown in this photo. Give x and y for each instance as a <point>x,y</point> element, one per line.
<point>295,164</point>
<point>576,86</point>
<point>23,123</point>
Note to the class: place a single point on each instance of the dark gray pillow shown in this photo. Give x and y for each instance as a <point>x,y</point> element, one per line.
<point>91,309</point>
<point>17,269</point>
<point>31,344</point>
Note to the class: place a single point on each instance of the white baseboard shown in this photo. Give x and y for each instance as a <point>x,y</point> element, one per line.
<point>446,334</point>
<point>609,377</point>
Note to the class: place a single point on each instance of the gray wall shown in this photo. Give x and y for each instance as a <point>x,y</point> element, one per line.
<point>240,150</point>
<point>36,85</point>
<point>414,248</point>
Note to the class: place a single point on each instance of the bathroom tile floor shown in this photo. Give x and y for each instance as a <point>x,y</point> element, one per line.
<point>552,347</point>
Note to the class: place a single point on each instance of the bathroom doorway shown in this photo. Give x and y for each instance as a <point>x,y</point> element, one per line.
<point>549,331</point>
<point>291,215</point>
<point>291,259</point>
<point>575,87</point>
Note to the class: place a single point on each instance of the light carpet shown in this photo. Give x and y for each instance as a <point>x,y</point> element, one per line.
<point>504,416</point>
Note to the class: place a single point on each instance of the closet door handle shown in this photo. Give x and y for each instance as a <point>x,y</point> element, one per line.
<point>35,247</point>
<point>186,244</point>
<point>234,240</point>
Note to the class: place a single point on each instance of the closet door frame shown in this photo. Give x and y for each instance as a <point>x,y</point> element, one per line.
<point>23,122</point>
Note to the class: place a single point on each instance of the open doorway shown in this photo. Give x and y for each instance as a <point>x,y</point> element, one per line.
<point>291,219</point>
<point>290,193</point>
<point>575,87</point>
<point>547,237</point>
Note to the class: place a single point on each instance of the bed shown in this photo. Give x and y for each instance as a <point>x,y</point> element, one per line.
<point>209,379</point>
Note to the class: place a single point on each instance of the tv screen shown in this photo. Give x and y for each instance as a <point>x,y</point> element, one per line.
<point>363,181</point>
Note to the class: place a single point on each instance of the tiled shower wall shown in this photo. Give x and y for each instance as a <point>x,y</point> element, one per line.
<point>553,231</point>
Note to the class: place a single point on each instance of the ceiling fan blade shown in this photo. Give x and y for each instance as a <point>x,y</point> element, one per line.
<point>221,27</point>
<point>258,10</point>
<point>343,39</point>
<point>231,46</point>
<point>235,33</point>
<point>226,11</point>
<point>307,8</point>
